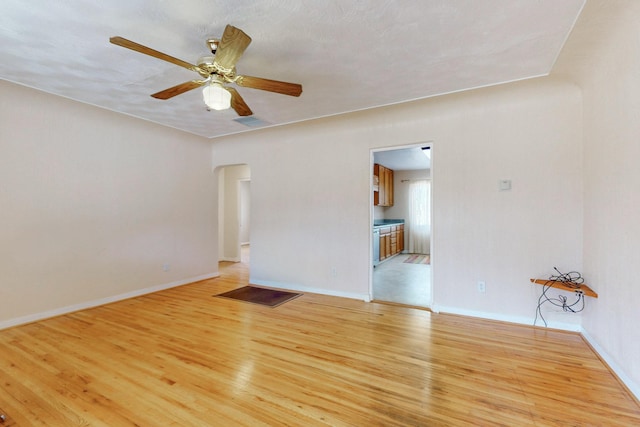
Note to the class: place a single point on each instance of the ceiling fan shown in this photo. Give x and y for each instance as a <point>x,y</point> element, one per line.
<point>217,71</point>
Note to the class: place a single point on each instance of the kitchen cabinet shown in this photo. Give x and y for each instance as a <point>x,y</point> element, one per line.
<point>376,184</point>
<point>397,239</point>
<point>385,242</point>
<point>391,240</point>
<point>394,241</point>
<point>388,189</point>
<point>382,186</point>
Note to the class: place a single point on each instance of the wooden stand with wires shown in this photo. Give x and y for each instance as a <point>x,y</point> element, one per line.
<point>567,286</point>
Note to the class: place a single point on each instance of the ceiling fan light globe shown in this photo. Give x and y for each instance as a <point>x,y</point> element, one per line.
<point>216,97</point>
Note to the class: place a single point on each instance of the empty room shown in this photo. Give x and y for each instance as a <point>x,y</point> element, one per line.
<point>189,194</point>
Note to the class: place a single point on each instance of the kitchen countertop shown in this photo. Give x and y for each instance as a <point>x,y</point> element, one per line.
<point>387,222</point>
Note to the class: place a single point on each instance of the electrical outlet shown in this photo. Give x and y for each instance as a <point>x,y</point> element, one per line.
<point>482,287</point>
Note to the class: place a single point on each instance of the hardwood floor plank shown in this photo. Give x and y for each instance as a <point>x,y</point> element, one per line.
<point>183,357</point>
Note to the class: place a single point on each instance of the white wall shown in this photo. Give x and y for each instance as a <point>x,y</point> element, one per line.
<point>379,212</point>
<point>603,55</point>
<point>245,211</point>
<point>311,195</point>
<point>94,203</point>
<point>229,210</point>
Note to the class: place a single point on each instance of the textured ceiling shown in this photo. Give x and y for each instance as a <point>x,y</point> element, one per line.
<point>413,158</point>
<point>347,55</point>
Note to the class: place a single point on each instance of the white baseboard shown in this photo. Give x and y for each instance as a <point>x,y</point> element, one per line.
<point>622,376</point>
<point>522,320</point>
<point>98,302</point>
<point>294,287</point>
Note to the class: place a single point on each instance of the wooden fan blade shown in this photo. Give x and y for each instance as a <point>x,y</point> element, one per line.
<point>151,52</point>
<point>178,89</point>
<point>291,89</point>
<point>231,47</point>
<point>238,104</point>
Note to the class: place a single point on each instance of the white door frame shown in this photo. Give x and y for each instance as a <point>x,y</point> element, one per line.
<point>429,144</point>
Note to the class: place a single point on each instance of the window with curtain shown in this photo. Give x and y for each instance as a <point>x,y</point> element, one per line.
<point>419,217</point>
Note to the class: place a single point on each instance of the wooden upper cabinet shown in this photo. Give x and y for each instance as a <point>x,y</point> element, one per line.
<point>389,186</point>
<point>376,184</point>
<point>383,187</point>
<point>383,193</point>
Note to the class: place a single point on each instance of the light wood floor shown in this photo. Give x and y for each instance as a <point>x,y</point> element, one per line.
<point>182,357</point>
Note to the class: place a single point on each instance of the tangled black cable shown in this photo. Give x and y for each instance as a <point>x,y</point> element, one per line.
<point>573,280</point>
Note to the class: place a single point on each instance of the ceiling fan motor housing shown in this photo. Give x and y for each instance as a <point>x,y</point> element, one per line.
<point>206,63</point>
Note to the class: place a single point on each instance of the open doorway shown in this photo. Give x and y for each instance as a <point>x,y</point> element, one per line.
<point>244,200</point>
<point>401,221</point>
<point>234,207</point>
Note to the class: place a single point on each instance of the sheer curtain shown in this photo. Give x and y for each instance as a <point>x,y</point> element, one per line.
<point>419,217</point>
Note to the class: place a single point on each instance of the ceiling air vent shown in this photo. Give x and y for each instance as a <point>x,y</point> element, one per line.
<point>251,121</point>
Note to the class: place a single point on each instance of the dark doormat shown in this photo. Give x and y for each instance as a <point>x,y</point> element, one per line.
<point>262,296</point>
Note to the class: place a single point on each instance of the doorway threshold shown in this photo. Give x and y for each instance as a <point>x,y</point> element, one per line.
<point>399,304</point>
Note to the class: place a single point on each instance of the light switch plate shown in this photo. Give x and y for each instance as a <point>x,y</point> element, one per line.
<point>504,185</point>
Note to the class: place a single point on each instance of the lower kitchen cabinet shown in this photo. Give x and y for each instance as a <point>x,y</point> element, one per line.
<point>391,241</point>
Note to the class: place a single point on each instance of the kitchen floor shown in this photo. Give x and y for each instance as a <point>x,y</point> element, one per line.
<point>402,283</point>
